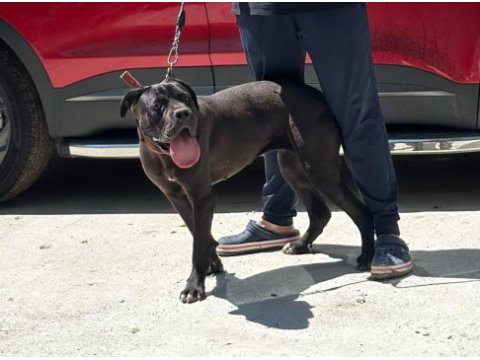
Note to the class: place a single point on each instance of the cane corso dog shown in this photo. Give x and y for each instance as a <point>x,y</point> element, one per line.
<point>188,143</point>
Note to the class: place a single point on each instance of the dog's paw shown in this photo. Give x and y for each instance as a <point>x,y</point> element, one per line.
<point>192,293</point>
<point>296,247</point>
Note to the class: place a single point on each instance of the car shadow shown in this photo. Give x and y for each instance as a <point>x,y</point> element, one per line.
<point>275,298</point>
<point>95,186</point>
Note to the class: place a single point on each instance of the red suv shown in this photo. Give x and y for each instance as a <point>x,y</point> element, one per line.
<point>60,65</point>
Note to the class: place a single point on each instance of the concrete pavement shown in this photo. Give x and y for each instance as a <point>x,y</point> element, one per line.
<point>77,279</point>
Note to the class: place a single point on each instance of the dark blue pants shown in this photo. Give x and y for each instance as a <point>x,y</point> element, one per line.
<point>338,42</point>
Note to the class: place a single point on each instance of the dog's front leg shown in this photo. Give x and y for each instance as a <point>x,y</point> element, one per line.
<point>202,201</point>
<point>178,198</point>
<point>184,204</point>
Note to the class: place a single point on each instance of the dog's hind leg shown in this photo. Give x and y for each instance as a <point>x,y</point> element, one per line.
<point>333,185</point>
<point>318,212</point>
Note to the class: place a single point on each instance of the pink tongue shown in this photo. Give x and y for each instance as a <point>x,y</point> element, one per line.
<point>185,150</point>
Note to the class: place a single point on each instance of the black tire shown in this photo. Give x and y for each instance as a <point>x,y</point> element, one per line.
<point>25,146</point>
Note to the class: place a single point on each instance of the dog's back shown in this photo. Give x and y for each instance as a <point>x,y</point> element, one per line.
<point>257,117</point>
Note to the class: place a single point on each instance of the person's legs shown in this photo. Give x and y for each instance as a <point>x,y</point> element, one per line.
<point>271,59</point>
<point>279,200</point>
<point>272,47</point>
<point>338,43</point>
<point>273,52</point>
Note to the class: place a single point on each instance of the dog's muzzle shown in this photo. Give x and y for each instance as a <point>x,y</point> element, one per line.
<point>184,149</point>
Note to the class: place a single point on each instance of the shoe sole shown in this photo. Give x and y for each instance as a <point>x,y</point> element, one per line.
<point>226,250</point>
<point>388,272</point>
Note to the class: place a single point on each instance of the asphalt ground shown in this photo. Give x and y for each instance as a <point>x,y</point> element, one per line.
<point>93,259</point>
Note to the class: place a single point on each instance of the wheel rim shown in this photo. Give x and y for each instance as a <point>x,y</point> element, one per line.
<point>5,131</point>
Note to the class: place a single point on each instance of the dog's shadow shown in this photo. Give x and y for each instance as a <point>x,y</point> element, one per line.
<point>274,298</point>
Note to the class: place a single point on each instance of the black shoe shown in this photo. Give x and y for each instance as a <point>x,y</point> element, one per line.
<point>253,239</point>
<point>391,258</point>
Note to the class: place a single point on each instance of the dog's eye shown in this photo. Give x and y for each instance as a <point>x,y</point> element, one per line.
<point>186,98</point>
<point>158,107</point>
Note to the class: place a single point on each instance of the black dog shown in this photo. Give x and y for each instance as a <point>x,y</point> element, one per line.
<point>189,143</point>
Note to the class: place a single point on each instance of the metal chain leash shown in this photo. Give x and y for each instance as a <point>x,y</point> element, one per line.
<point>172,58</point>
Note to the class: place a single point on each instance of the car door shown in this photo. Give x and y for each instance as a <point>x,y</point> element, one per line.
<point>83,48</point>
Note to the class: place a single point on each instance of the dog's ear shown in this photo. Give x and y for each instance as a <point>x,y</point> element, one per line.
<point>189,89</point>
<point>130,99</point>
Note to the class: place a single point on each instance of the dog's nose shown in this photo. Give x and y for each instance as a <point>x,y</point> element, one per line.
<point>182,114</point>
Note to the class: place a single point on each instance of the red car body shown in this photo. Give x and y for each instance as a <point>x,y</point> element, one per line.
<point>86,39</point>
<point>427,59</point>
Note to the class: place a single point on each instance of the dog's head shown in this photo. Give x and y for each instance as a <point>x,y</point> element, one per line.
<point>167,116</point>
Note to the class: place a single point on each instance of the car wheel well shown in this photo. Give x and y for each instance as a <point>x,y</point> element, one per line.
<point>25,145</point>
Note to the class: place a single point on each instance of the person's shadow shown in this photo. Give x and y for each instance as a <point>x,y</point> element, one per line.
<point>273,298</point>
